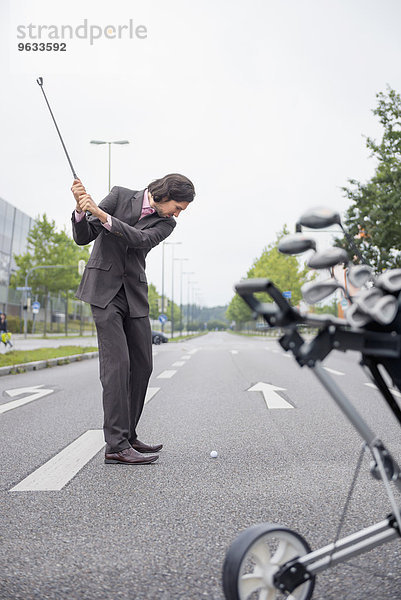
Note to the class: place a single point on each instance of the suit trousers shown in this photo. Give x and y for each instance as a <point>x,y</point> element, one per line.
<point>125,359</point>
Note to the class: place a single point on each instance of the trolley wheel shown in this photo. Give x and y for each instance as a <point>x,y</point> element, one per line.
<point>253,559</point>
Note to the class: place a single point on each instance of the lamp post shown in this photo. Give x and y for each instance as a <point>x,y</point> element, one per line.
<point>189,300</point>
<point>172,281</point>
<point>188,273</point>
<point>99,142</point>
<point>181,260</point>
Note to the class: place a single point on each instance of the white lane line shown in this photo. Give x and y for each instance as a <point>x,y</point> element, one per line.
<point>286,355</point>
<point>38,392</point>
<point>276,351</point>
<point>272,399</point>
<point>193,351</point>
<point>155,352</point>
<point>234,351</point>
<point>166,374</point>
<point>179,363</point>
<point>395,393</point>
<point>150,392</point>
<point>186,357</point>
<point>60,469</point>
<point>333,371</point>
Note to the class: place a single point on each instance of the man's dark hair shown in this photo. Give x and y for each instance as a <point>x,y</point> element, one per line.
<point>175,186</point>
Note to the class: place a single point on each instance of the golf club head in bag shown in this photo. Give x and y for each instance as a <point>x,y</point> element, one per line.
<point>372,305</point>
<point>315,291</point>
<point>320,218</point>
<point>359,275</point>
<point>328,258</point>
<point>296,244</point>
<point>390,280</point>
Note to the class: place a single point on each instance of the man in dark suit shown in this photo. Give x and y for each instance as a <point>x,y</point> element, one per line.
<point>125,226</point>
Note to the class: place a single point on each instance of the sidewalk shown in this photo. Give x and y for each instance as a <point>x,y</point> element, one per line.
<point>34,342</point>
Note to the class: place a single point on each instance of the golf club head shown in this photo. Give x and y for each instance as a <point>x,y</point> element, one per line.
<point>39,81</point>
<point>358,275</point>
<point>328,258</point>
<point>320,218</point>
<point>390,280</point>
<point>315,291</point>
<point>385,309</point>
<point>296,244</point>
<point>366,299</point>
<point>356,317</point>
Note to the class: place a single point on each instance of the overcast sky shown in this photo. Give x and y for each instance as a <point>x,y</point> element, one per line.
<point>262,103</point>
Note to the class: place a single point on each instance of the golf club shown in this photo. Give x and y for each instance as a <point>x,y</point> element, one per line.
<point>356,317</point>
<point>390,280</point>
<point>314,291</point>
<point>39,81</point>
<point>366,299</point>
<point>358,275</point>
<point>328,258</point>
<point>296,244</point>
<point>322,217</point>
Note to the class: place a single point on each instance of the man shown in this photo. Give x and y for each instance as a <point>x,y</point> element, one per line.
<point>125,226</point>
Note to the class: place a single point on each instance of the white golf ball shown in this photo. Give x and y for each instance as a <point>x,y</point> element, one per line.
<point>213,454</point>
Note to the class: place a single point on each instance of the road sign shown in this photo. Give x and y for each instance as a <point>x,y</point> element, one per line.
<point>163,318</point>
<point>35,307</point>
<point>23,289</point>
<point>344,303</point>
<point>287,294</point>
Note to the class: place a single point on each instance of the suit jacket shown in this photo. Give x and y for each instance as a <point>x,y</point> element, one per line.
<point>118,256</point>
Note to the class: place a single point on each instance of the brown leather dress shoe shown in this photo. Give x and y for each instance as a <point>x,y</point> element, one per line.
<point>145,448</point>
<point>129,456</point>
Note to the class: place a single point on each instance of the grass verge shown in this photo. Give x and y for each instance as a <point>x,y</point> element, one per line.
<point>18,357</point>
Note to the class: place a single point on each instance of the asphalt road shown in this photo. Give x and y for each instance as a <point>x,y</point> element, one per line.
<point>160,532</point>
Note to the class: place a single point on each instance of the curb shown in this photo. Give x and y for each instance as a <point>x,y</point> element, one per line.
<point>43,364</point>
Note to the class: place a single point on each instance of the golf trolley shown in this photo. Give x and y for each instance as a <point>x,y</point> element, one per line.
<point>269,561</point>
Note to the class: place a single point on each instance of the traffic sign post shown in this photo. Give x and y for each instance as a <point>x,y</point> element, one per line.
<point>35,307</point>
<point>163,319</point>
<point>287,294</point>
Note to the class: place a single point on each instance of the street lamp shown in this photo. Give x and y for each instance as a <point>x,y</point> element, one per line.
<point>188,273</point>
<point>188,297</point>
<point>181,260</point>
<point>99,142</point>
<point>172,282</point>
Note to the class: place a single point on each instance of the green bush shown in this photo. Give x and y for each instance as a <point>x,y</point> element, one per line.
<point>16,325</point>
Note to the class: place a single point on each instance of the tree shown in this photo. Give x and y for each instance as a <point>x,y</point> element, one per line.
<point>153,297</point>
<point>285,272</point>
<point>46,246</point>
<point>176,313</point>
<point>374,217</point>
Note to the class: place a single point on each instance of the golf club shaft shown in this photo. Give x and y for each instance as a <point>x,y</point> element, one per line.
<point>58,131</point>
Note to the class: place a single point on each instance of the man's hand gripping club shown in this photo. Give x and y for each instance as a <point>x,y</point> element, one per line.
<point>84,201</point>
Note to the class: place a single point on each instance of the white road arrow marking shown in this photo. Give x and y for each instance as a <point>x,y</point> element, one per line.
<point>272,399</point>
<point>395,393</point>
<point>38,392</point>
<point>150,392</point>
<point>60,469</point>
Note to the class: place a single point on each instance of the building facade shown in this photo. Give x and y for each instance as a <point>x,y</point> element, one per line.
<point>14,228</point>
